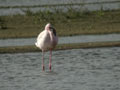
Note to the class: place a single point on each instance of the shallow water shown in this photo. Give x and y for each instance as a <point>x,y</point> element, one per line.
<point>41,2</point>
<point>62,40</point>
<point>90,7</point>
<point>76,69</point>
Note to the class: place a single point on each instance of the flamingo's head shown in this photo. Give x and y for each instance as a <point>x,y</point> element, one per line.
<point>50,28</point>
<point>47,27</point>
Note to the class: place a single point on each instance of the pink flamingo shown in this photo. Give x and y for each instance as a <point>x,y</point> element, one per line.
<point>47,40</point>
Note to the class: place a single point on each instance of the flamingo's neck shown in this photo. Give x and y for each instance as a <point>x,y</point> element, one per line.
<point>53,39</point>
<point>47,26</point>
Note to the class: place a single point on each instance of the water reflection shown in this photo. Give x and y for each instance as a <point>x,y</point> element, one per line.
<point>77,69</point>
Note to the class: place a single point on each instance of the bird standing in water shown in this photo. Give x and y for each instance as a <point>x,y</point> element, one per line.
<point>47,40</point>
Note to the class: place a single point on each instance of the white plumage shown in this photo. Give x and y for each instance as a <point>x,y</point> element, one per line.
<point>47,40</point>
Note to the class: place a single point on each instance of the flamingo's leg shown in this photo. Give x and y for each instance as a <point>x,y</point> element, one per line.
<point>50,59</point>
<point>43,67</point>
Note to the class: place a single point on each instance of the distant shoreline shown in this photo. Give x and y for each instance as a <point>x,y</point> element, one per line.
<point>25,49</point>
<point>70,23</point>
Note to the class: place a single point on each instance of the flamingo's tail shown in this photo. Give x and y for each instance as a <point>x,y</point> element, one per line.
<point>36,44</point>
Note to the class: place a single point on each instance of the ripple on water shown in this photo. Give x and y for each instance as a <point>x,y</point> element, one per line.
<point>76,69</point>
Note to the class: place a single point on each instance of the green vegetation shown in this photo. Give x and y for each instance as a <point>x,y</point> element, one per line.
<point>2,24</point>
<point>72,22</point>
<point>18,49</point>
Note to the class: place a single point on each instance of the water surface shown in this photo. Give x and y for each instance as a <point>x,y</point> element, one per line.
<point>42,2</point>
<point>76,69</point>
<point>62,40</point>
<point>97,5</point>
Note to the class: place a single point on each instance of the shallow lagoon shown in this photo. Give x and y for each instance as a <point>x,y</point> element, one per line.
<point>86,5</point>
<point>62,40</point>
<point>76,69</point>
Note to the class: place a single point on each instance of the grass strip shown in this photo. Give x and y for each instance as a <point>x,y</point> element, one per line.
<point>69,23</point>
<point>23,49</point>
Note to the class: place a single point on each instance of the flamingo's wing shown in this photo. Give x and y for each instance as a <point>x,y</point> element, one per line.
<point>39,37</point>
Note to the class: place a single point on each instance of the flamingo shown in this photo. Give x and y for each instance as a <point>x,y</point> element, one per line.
<point>46,41</point>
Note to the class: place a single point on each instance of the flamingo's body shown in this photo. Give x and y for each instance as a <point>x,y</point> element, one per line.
<point>47,40</point>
